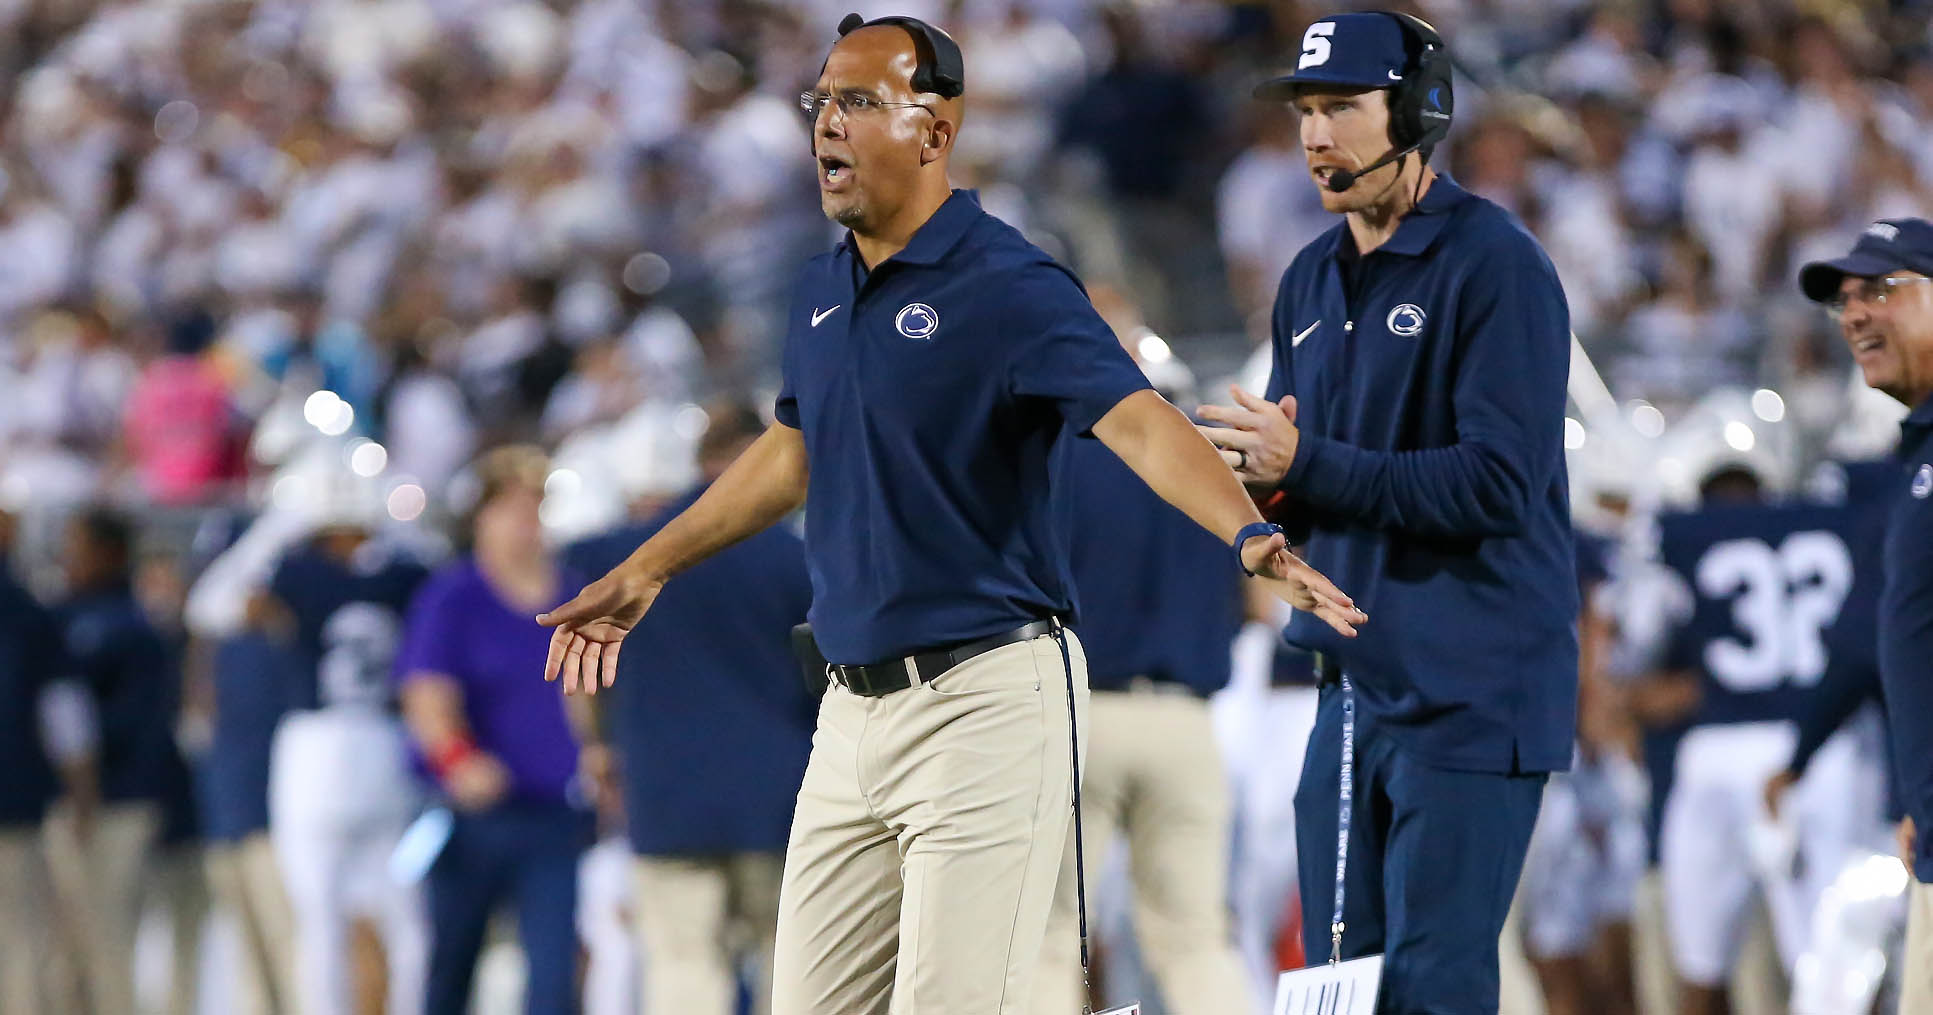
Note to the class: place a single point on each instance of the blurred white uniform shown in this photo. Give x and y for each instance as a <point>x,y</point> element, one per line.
<point>340,797</point>
<point>1586,856</point>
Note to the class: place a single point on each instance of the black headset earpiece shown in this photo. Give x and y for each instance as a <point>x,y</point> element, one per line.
<point>1421,106</point>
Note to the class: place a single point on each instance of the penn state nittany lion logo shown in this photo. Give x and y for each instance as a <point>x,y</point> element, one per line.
<point>917,320</point>
<point>1406,320</point>
<point>1923,482</point>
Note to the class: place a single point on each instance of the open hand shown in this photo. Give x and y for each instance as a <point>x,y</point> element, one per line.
<point>1301,586</point>
<point>477,782</point>
<point>1258,437</point>
<point>590,630</point>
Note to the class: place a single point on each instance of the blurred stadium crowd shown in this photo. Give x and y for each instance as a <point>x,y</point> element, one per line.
<point>307,259</point>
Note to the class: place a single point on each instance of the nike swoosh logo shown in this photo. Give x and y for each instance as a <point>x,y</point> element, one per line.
<point>1393,76</point>
<point>1304,333</point>
<point>823,314</point>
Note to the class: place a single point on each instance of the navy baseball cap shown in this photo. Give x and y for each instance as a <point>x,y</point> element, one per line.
<point>1886,246</point>
<point>1363,50</point>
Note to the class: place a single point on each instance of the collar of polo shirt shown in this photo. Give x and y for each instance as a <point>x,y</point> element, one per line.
<point>939,234</point>
<point>1422,224</point>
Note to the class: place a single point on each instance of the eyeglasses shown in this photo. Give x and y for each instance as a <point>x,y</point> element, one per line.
<point>1871,291</point>
<point>849,103</point>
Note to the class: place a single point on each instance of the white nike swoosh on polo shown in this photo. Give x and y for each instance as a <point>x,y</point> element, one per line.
<point>820,315</point>
<point>1304,333</point>
<point>1393,76</point>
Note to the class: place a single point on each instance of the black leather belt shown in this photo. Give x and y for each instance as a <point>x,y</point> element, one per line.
<point>872,680</point>
<point>1328,669</point>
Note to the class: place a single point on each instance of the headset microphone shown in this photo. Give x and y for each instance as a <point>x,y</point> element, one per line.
<point>1343,179</point>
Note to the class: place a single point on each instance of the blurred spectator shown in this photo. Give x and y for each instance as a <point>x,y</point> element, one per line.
<point>129,670</point>
<point>249,672</point>
<point>183,437</point>
<point>47,729</point>
<point>1142,170</point>
<point>1689,339</point>
<point>1733,192</point>
<point>498,742</point>
<point>1266,210</point>
<point>712,725</point>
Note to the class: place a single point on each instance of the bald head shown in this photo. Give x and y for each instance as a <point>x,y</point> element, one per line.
<point>896,49</point>
<point>882,142</point>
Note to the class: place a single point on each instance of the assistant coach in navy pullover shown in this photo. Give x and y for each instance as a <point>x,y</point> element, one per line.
<point>1881,295</point>
<point>1411,434</point>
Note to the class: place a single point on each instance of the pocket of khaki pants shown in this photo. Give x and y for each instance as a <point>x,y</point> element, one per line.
<point>1007,668</point>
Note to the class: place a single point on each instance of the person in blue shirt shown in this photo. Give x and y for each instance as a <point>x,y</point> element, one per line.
<point>134,677</point>
<point>1411,434</point>
<point>712,726</point>
<point>502,749</point>
<point>48,743</point>
<point>247,673</point>
<point>932,361</point>
<point>1881,295</point>
<point>1158,618</point>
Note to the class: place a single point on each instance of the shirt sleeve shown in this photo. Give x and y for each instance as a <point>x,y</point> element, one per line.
<point>1852,661</point>
<point>785,408</point>
<point>1513,363</point>
<point>432,632</point>
<point>1062,351</point>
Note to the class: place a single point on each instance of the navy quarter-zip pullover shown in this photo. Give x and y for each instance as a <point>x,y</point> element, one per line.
<point>1429,478</point>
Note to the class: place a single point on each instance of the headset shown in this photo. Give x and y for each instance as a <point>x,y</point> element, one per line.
<point>941,69</point>
<point>1420,105</point>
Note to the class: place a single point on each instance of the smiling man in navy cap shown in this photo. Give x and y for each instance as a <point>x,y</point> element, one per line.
<point>933,359</point>
<point>1881,295</point>
<point>1411,433</point>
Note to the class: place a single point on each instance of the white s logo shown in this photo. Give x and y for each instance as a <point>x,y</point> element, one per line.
<point>1315,44</point>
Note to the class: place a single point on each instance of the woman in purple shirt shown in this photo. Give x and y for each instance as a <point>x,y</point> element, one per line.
<point>500,745</point>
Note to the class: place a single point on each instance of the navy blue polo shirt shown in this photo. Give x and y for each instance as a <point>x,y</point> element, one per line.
<point>711,720</point>
<point>1906,628</point>
<point>30,658</point>
<point>930,390</point>
<point>1158,596</point>
<point>135,679</point>
<point>1429,481</point>
<point>251,674</point>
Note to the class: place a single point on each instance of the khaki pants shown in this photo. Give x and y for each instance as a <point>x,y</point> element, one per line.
<point>179,884</point>
<point>1154,772</point>
<point>696,916</point>
<point>99,884</point>
<point>1916,964</point>
<point>246,883</point>
<point>26,931</point>
<point>927,841</point>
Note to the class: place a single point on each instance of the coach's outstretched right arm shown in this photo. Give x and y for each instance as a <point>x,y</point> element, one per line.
<point>765,484</point>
